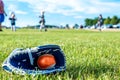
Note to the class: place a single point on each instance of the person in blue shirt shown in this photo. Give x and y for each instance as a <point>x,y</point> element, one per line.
<point>12,20</point>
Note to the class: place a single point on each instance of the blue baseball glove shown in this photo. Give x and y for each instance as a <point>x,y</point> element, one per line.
<point>24,61</point>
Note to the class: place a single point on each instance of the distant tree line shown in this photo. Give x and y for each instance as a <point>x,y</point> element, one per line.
<point>114,20</point>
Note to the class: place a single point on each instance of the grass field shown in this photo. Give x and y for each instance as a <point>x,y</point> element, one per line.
<point>90,55</point>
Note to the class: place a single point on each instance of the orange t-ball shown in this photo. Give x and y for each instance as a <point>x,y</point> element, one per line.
<point>46,61</point>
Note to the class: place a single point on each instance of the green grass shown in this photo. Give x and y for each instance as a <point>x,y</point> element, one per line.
<point>89,55</point>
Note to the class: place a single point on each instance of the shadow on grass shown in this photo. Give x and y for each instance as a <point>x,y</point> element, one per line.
<point>83,71</point>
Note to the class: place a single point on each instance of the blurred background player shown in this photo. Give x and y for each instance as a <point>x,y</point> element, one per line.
<point>100,22</point>
<point>2,12</point>
<point>42,22</point>
<point>12,20</point>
